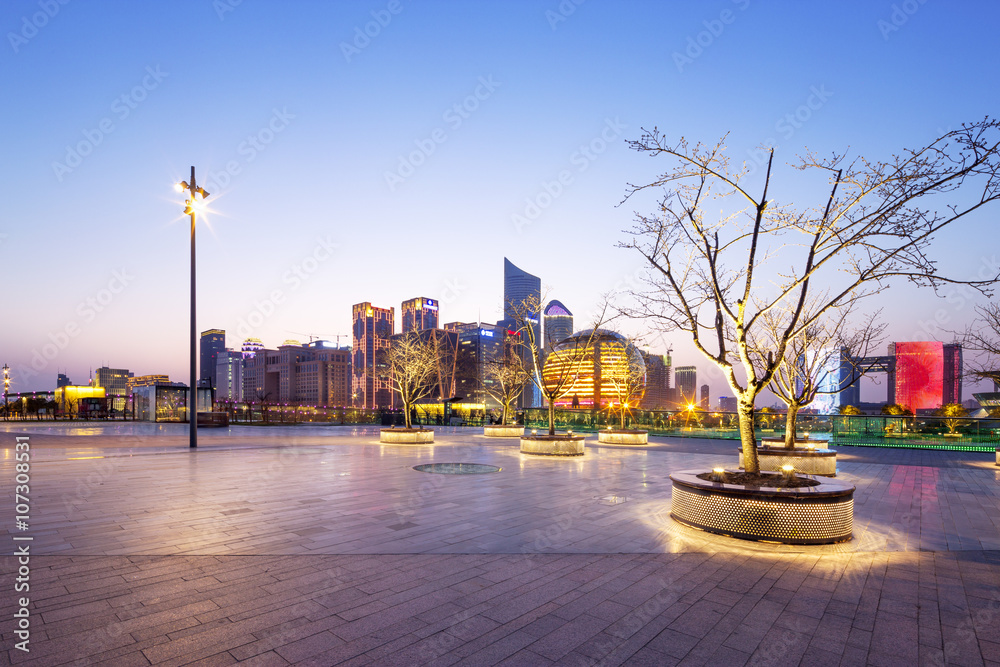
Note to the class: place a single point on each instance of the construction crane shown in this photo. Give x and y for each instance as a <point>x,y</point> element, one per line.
<point>315,336</point>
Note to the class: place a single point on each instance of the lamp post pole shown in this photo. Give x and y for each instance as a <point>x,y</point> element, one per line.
<point>193,401</point>
<point>6,390</point>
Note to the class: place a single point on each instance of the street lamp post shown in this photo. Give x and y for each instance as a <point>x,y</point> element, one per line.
<point>6,390</point>
<point>190,206</point>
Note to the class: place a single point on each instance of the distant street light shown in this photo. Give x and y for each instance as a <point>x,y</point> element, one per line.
<point>192,205</point>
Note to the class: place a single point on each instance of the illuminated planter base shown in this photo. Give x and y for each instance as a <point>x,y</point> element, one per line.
<point>406,436</point>
<point>552,445</point>
<point>503,431</point>
<point>806,461</point>
<point>617,436</point>
<point>822,514</point>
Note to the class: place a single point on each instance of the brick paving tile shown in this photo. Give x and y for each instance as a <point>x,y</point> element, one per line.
<point>525,567</point>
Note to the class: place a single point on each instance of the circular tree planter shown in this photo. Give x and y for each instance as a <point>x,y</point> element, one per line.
<point>552,445</point>
<point>806,461</point>
<point>503,431</point>
<point>821,514</point>
<point>623,436</point>
<point>406,436</point>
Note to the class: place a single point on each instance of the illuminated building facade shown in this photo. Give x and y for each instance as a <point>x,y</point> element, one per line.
<point>705,403</point>
<point>557,323</point>
<point>419,314</point>
<point>477,345</point>
<point>213,342</point>
<point>251,346</point>
<point>686,380</point>
<point>167,402</point>
<point>594,374</point>
<point>371,332</point>
<point>74,401</point>
<point>925,374</point>
<point>145,381</point>
<point>658,394</point>
<point>312,374</point>
<point>115,383</point>
<point>229,377</point>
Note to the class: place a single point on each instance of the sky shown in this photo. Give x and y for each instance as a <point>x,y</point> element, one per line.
<point>379,151</point>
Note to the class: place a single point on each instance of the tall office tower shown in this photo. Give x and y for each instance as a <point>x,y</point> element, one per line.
<point>213,341</point>
<point>115,383</point>
<point>727,404</point>
<point>686,379</point>
<point>372,330</point>
<point>419,314</point>
<point>229,376</point>
<point>250,347</point>
<point>63,380</point>
<point>705,403</point>
<point>557,322</point>
<point>657,396</point>
<point>521,287</point>
<point>952,385</point>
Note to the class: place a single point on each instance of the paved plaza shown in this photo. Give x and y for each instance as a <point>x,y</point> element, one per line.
<point>317,545</point>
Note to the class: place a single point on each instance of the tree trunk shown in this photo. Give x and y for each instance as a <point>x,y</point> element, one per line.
<point>793,411</point>
<point>552,417</point>
<point>747,436</point>
<point>406,415</point>
<point>503,415</point>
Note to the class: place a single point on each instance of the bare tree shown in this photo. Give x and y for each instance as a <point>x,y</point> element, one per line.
<point>506,375</point>
<point>811,364</point>
<point>707,272</point>
<point>567,359</point>
<point>624,370</point>
<point>983,339</point>
<point>411,366</point>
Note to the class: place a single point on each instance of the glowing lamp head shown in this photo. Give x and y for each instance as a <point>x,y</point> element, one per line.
<point>718,474</point>
<point>788,470</point>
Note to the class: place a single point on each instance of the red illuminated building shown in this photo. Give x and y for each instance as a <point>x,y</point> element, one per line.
<point>927,374</point>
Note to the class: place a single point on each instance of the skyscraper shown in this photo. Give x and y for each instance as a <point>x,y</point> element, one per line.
<point>372,330</point>
<point>706,400</point>
<point>419,314</point>
<point>952,384</point>
<point>557,322</point>
<point>229,376</point>
<point>686,379</point>
<point>213,342</point>
<point>520,287</point>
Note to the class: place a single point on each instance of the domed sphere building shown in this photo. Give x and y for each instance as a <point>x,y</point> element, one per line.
<point>596,370</point>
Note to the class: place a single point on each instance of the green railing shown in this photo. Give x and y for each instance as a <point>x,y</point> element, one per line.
<point>856,430</point>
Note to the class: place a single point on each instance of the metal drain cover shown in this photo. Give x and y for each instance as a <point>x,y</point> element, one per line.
<point>457,468</point>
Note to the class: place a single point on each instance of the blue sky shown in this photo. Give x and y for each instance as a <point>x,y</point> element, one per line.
<point>347,166</point>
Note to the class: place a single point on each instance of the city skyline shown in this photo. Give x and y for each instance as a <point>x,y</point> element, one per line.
<point>336,161</point>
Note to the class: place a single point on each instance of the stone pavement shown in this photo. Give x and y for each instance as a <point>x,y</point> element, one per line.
<point>317,545</point>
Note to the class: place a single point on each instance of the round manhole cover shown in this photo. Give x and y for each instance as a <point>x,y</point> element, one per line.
<point>457,468</point>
